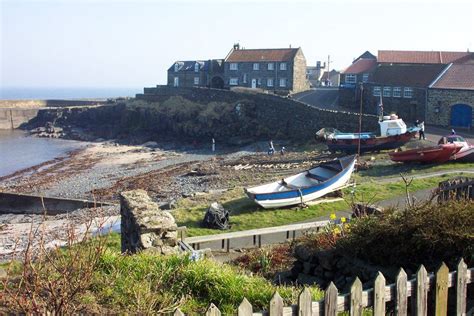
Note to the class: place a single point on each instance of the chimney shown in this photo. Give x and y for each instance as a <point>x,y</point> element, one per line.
<point>236,46</point>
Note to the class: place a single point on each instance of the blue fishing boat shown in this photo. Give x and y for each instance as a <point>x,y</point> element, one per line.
<point>306,186</point>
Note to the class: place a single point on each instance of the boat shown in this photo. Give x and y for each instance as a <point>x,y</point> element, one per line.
<point>434,154</point>
<point>465,154</point>
<point>393,134</point>
<point>308,185</point>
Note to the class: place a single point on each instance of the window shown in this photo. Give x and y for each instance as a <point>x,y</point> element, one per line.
<point>408,92</point>
<point>282,82</point>
<point>270,82</point>
<point>365,77</point>
<point>271,66</point>
<point>377,91</point>
<point>387,91</point>
<point>351,78</point>
<point>196,68</point>
<point>244,79</point>
<point>256,66</point>
<point>196,80</point>
<point>259,81</point>
<point>176,67</point>
<point>233,66</point>
<point>282,66</point>
<point>233,81</point>
<point>397,92</point>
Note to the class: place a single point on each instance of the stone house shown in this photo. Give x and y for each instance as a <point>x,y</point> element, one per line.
<point>197,73</point>
<point>450,100</point>
<point>280,70</point>
<point>353,76</point>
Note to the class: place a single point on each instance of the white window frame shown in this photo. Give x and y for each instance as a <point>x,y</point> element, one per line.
<point>365,77</point>
<point>233,66</point>
<point>270,82</point>
<point>377,91</point>
<point>256,66</point>
<point>244,78</point>
<point>176,67</point>
<point>196,67</point>
<point>282,82</point>
<point>282,66</point>
<point>397,92</point>
<point>353,78</point>
<point>196,80</point>
<point>271,66</point>
<point>387,92</point>
<point>233,81</point>
<point>408,92</point>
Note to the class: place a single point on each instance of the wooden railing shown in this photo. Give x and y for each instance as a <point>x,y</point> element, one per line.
<point>458,188</point>
<point>404,294</point>
<point>253,236</point>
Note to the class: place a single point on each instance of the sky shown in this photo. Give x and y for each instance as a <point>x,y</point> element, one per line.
<point>124,43</point>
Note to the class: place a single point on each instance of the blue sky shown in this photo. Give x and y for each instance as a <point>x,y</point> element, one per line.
<point>132,43</point>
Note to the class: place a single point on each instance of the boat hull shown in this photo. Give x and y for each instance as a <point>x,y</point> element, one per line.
<point>436,154</point>
<point>369,144</point>
<point>464,155</point>
<point>303,195</point>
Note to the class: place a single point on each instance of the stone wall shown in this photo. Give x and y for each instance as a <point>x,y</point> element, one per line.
<point>440,101</point>
<point>12,118</point>
<point>144,226</point>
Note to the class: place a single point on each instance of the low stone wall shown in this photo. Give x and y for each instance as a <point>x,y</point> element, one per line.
<point>14,117</point>
<point>15,203</point>
<point>144,226</point>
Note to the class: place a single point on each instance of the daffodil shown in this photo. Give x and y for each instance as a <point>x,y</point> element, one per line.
<point>332,216</point>
<point>337,231</point>
<point>343,219</point>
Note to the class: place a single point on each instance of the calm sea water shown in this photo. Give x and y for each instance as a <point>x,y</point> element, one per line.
<point>19,93</point>
<point>19,151</point>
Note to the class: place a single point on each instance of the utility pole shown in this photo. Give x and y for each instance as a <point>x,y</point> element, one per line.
<point>329,61</point>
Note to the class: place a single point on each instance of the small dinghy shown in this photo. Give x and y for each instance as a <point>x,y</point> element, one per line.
<point>435,154</point>
<point>306,186</point>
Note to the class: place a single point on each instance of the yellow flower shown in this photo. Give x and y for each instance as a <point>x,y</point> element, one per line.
<point>332,216</point>
<point>337,231</point>
<point>343,219</point>
<point>347,227</point>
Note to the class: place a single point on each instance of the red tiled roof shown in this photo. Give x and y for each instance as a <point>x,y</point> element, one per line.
<point>456,77</point>
<point>420,57</point>
<point>360,66</point>
<point>414,75</point>
<point>249,55</point>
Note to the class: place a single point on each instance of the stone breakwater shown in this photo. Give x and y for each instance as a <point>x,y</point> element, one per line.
<point>201,114</point>
<point>144,226</point>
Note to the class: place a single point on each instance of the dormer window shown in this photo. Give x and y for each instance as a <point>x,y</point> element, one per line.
<point>196,67</point>
<point>176,67</point>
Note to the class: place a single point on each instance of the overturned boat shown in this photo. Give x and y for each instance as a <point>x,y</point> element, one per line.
<point>393,134</point>
<point>306,186</point>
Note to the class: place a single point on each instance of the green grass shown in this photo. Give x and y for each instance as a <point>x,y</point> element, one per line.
<point>245,214</point>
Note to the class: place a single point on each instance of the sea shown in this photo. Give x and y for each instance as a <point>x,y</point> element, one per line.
<point>19,151</point>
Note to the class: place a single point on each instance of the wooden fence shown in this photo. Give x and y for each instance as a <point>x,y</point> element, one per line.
<point>405,295</point>
<point>458,188</point>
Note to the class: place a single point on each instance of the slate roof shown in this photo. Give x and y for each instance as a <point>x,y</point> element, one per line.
<point>421,57</point>
<point>188,65</point>
<point>414,75</point>
<point>360,66</point>
<point>456,77</point>
<point>258,55</point>
<point>366,55</point>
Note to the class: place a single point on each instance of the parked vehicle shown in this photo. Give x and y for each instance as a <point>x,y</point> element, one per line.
<point>306,186</point>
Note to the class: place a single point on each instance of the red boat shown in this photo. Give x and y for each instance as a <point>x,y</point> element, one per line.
<point>465,154</point>
<point>435,154</point>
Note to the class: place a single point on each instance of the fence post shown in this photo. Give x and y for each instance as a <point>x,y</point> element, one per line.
<point>305,303</point>
<point>401,300</point>
<point>213,311</point>
<point>441,292</point>
<point>178,312</point>
<point>276,305</point>
<point>245,308</point>
<point>379,295</point>
<point>461,288</point>
<point>330,300</point>
<point>421,292</point>
<point>356,298</point>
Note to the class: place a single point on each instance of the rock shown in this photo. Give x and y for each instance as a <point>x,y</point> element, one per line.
<point>326,259</point>
<point>302,252</point>
<point>144,226</point>
<point>308,279</point>
<point>169,205</point>
<point>307,267</point>
<point>283,277</point>
<point>329,275</point>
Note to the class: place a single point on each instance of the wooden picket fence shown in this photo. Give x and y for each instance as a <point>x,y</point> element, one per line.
<point>458,188</point>
<point>402,294</point>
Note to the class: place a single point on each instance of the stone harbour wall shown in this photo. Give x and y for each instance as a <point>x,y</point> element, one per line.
<point>144,226</point>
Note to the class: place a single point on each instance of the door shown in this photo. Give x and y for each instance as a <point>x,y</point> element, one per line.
<point>461,115</point>
<point>176,82</point>
<point>254,83</point>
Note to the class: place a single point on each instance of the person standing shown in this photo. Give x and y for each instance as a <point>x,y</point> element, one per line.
<point>271,149</point>
<point>213,145</point>
<point>422,130</point>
